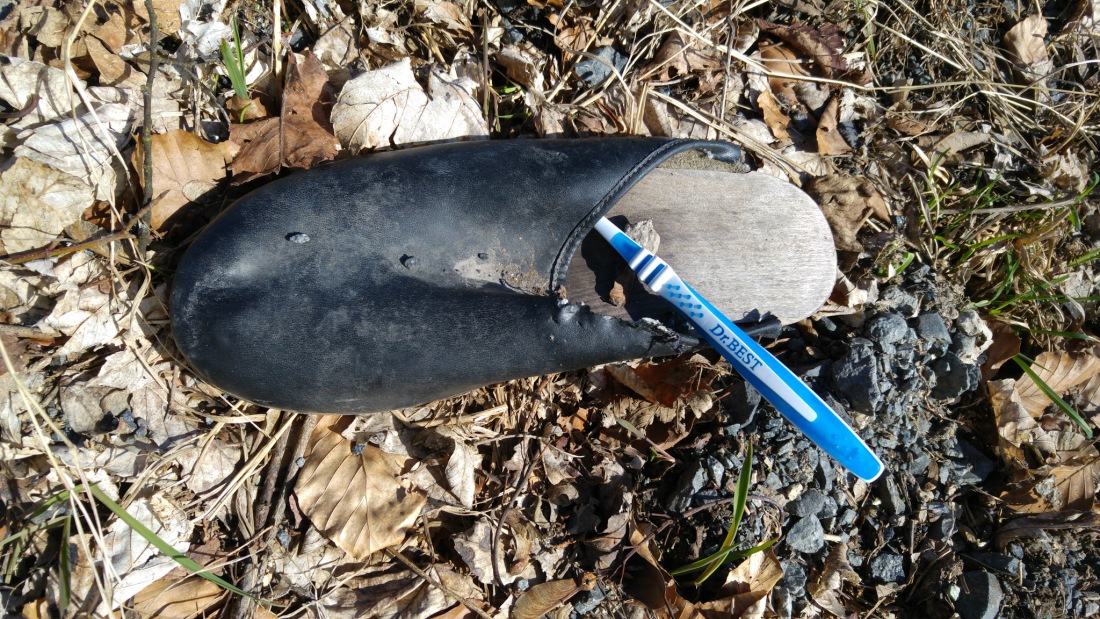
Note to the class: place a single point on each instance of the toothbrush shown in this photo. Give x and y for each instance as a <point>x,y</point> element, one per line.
<point>786,392</point>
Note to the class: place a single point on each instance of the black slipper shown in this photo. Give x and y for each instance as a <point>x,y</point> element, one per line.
<point>403,277</point>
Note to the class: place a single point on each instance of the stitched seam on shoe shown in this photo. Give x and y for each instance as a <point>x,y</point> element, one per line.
<point>572,242</point>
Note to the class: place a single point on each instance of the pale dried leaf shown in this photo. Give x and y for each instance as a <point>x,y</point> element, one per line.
<point>169,598</point>
<point>1076,484</point>
<point>48,25</point>
<point>523,64</point>
<point>829,140</point>
<point>21,80</point>
<point>1061,371</point>
<point>1026,45</point>
<point>847,202</point>
<point>389,592</point>
<point>168,14</point>
<point>113,70</point>
<point>1015,427</point>
<point>678,56</point>
<point>358,502</point>
<point>960,141</point>
<point>545,597</point>
<point>185,166</point>
<point>825,586</point>
<point>37,203</point>
<point>747,585</point>
<point>475,546</point>
<point>461,471</point>
<point>83,147</point>
<point>446,14</point>
<point>135,560</point>
<point>823,46</point>
<point>388,107</point>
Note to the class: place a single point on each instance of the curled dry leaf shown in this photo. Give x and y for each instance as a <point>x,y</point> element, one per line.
<point>746,588</point>
<point>387,592</point>
<point>678,56</point>
<point>1005,344</point>
<point>1061,371</point>
<point>446,14</point>
<point>958,142</point>
<point>388,107</point>
<point>357,501</point>
<point>185,166</point>
<point>825,587</point>
<point>37,202</point>
<point>774,116</point>
<point>23,82</point>
<point>545,597</point>
<point>1015,427</point>
<point>829,140</point>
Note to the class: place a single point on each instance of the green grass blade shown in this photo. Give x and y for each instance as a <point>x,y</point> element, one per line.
<point>167,548</point>
<point>65,567</point>
<point>1054,397</point>
<point>720,557</point>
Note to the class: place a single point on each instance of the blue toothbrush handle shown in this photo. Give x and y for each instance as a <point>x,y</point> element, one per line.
<point>777,384</point>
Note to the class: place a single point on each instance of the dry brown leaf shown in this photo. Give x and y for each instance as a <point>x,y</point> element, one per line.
<point>545,597</point>
<point>779,59</point>
<point>169,598</point>
<point>1005,345</point>
<point>829,140</point>
<point>185,166</point>
<point>823,46</point>
<point>825,587</point>
<point>959,141</point>
<point>1026,45</point>
<point>1076,483</point>
<point>388,107</point>
<point>389,591</point>
<point>677,57</point>
<point>847,202</point>
<point>37,202</point>
<point>446,14</point>
<point>523,64</point>
<point>774,116</point>
<point>1015,427</point>
<point>357,501</point>
<point>747,585</point>
<point>301,138</point>
<point>168,14</point>
<point>1061,371</point>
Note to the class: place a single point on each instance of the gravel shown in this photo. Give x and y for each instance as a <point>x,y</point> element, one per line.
<point>809,504</point>
<point>888,567</point>
<point>806,536</point>
<point>981,596</point>
<point>594,71</point>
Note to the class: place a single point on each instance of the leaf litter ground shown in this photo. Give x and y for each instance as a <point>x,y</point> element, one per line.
<point>949,144</point>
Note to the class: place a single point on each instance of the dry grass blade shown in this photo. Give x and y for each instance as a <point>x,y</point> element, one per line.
<point>355,499</point>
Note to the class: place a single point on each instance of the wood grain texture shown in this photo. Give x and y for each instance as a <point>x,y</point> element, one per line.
<point>749,243</point>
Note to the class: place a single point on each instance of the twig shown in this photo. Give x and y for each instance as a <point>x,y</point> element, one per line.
<point>145,222</point>
<point>53,251</point>
<point>33,103</point>
<point>27,332</point>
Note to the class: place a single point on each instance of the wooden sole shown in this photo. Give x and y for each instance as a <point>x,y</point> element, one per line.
<point>752,244</point>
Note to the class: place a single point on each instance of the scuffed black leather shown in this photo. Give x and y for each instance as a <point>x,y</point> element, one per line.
<point>427,272</point>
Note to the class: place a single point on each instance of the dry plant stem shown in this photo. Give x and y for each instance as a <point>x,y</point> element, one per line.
<point>147,132</point>
<point>276,37</point>
<point>396,554</point>
<point>52,251</point>
<point>27,332</point>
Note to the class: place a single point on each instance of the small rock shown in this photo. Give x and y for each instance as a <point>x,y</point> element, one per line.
<point>809,504</point>
<point>690,483</point>
<point>981,466</point>
<point>888,328</point>
<point>806,536</point>
<point>794,577</point>
<point>933,331</point>
<point>1010,566</point>
<point>888,567</point>
<point>587,601</point>
<point>740,405</point>
<point>594,71</point>
<point>920,463</point>
<point>981,596</point>
<point>953,377</point>
<point>856,376</point>
<point>828,508</point>
<point>716,471</point>
<point>900,300</point>
<point>890,494</point>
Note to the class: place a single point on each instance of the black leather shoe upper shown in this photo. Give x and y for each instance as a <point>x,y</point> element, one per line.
<point>403,277</point>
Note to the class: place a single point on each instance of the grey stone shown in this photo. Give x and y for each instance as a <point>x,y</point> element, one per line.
<point>981,596</point>
<point>888,328</point>
<point>740,405</point>
<point>806,536</point>
<point>595,70</point>
<point>953,377</point>
<point>809,504</point>
<point>933,331</point>
<point>587,601</point>
<point>920,463</point>
<point>980,465</point>
<point>716,470</point>
<point>899,299</point>
<point>888,567</point>
<point>690,484</point>
<point>1010,566</point>
<point>856,376</point>
<point>828,508</point>
<point>794,577</point>
<point>889,492</point>
<point>969,323</point>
